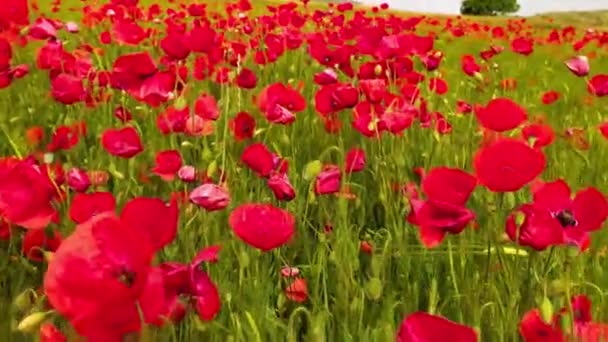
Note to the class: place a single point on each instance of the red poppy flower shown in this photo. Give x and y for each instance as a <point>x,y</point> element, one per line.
<point>604,129</point>
<point>335,97</point>
<point>289,271</point>
<point>67,89</point>
<point>533,328</point>
<point>246,79</point>
<point>211,197</point>
<point>366,247</point>
<point>86,206</point>
<point>469,65</point>
<point>438,85</point>
<point>206,107</point>
<point>242,126</point>
<point>173,120</point>
<point>421,326</point>
<point>598,85</point>
<point>167,164</point>
<point>432,60</point>
<point>35,241</point>
<point>205,295</point>
<point>138,74</point>
<point>78,180</point>
<point>537,134</point>
<point>174,45</point>
<point>124,142</point>
<point>128,32</point>
<point>259,159</point>
<point>50,333</point>
<point>326,77</point>
<point>262,226</point>
<point>15,12</point>
<point>538,228</point>
<point>96,277</point>
<point>373,89</point>
<point>208,254</point>
<point>63,138</point>
<point>550,97</point>
<point>522,46</point>
<point>26,194</point>
<point>398,118</point>
<point>579,216</point>
<point>297,291</point>
<point>578,65</point>
<point>155,220</point>
<point>508,165</point>
<point>282,189</point>
<point>123,114</point>
<point>328,181</point>
<point>355,160</point>
<point>444,211</point>
<point>501,114</point>
<point>277,97</point>
<point>44,29</point>
<point>34,135</point>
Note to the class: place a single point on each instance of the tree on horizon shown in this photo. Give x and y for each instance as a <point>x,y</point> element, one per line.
<point>489,7</point>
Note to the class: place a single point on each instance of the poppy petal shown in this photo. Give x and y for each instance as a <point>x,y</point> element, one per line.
<point>555,196</point>
<point>421,326</point>
<point>590,209</point>
<point>152,218</point>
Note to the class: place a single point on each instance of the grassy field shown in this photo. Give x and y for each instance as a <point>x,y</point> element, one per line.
<point>363,267</point>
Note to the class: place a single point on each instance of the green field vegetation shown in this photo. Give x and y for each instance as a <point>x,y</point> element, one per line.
<point>478,278</point>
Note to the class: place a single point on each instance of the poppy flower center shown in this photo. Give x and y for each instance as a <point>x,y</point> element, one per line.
<point>542,332</point>
<point>326,59</point>
<point>247,127</point>
<point>126,277</point>
<point>566,218</point>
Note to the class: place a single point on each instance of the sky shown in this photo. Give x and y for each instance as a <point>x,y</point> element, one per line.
<point>528,7</point>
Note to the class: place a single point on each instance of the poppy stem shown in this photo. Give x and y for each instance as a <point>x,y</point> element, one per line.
<point>499,203</point>
<point>452,269</point>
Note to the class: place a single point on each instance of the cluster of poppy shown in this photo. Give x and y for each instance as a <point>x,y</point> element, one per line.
<point>367,76</point>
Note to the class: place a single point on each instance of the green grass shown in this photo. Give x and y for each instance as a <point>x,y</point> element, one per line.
<point>353,296</point>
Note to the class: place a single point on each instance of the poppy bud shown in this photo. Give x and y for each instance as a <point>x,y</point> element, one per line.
<point>187,173</point>
<point>374,288</point>
<point>546,310</point>
<point>210,197</point>
<point>312,169</point>
<point>78,180</point>
<point>328,180</point>
<point>25,300</point>
<point>212,169</point>
<point>32,322</point>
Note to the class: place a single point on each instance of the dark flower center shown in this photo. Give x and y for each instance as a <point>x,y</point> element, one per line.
<point>247,127</point>
<point>566,218</point>
<point>126,277</point>
<point>542,332</point>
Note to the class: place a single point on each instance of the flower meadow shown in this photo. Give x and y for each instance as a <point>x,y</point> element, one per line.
<point>249,171</point>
